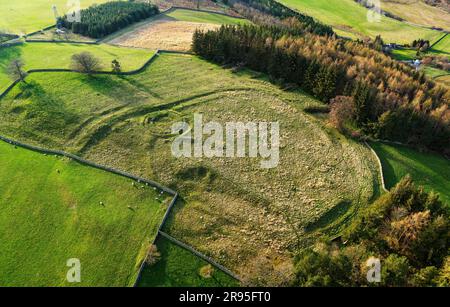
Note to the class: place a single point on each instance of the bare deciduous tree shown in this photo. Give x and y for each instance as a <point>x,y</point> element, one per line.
<point>153,255</point>
<point>85,62</point>
<point>15,70</point>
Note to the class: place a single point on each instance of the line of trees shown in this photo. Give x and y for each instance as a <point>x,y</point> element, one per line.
<point>100,20</point>
<point>407,230</point>
<point>391,100</point>
<point>276,9</point>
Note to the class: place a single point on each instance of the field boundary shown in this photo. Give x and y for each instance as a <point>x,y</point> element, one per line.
<point>119,172</point>
<point>439,40</point>
<point>380,166</point>
<point>55,41</point>
<point>173,8</point>
<point>55,70</point>
<point>110,170</point>
<point>200,255</point>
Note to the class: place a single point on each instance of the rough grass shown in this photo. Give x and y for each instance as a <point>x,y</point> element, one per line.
<point>58,55</point>
<point>429,170</point>
<point>203,17</point>
<point>418,12</point>
<point>208,5</point>
<point>172,31</point>
<point>348,16</point>
<point>25,16</point>
<point>230,212</point>
<point>180,268</point>
<point>50,212</point>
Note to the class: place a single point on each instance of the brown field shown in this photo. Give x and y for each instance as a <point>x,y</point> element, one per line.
<point>164,33</point>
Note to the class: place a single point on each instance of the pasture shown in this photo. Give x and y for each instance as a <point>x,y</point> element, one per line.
<point>429,170</point>
<point>58,55</point>
<point>171,31</point>
<point>351,19</point>
<point>53,209</point>
<point>178,267</point>
<point>25,16</point>
<point>229,211</point>
<point>417,12</point>
<point>442,47</point>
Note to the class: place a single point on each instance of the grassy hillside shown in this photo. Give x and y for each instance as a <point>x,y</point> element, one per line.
<point>429,170</point>
<point>50,212</point>
<point>49,55</point>
<point>180,268</point>
<point>230,213</point>
<point>418,12</point>
<point>350,17</point>
<point>25,16</point>
<point>202,17</point>
<point>443,47</point>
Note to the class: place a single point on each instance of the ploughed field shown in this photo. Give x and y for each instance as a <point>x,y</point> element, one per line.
<point>170,31</point>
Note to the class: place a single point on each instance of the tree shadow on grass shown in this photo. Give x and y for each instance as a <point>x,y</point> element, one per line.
<point>114,87</point>
<point>330,216</point>
<point>141,86</point>
<point>46,112</point>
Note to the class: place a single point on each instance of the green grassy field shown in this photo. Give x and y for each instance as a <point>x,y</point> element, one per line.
<point>429,170</point>
<point>229,213</point>
<point>50,212</point>
<point>350,17</point>
<point>180,268</point>
<point>203,17</point>
<point>405,54</point>
<point>417,12</point>
<point>442,48</point>
<point>50,55</point>
<point>25,16</point>
<point>434,72</point>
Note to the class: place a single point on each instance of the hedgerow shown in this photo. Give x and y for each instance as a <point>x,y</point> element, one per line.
<point>100,20</point>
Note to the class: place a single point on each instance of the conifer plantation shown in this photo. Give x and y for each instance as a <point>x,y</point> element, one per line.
<point>392,100</point>
<point>100,20</point>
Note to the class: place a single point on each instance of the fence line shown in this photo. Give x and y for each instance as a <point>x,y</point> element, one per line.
<point>200,255</point>
<point>57,41</point>
<point>161,225</point>
<point>55,70</point>
<point>380,166</point>
<point>119,172</point>
<point>172,8</point>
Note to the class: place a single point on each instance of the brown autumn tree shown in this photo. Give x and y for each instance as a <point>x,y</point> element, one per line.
<point>342,110</point>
